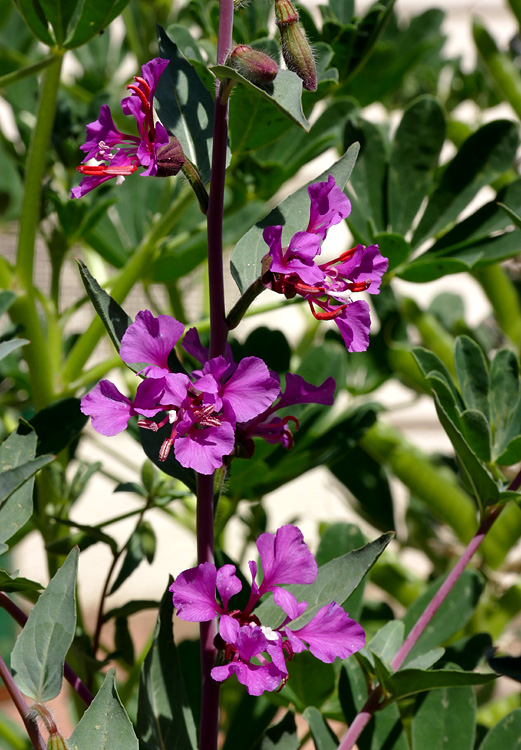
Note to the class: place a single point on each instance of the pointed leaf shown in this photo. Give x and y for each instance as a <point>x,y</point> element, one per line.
<point>335,581</point>
<point>505,399</point>
<point>133,557</point>
<point>292,213</point>
<point>34,17</point>
<point>484,156</point>
<point>178,88</point>
<point>284,92</point>
<point>445,720</point>
<point>58,425</point>
<point>283,736</point>
<point>386,642</point>
<point>6,347</point>
<point>476,431</point>
<point>16,508</point>
<point>409,681</point>
<point>39,653</point>
<point>14,583</point>
<point>472,372</point>
<point>505,734</point>
<point>105,724</point>
<point>93,19</point>
<point>416,149</point>
<point>13,479</point>
<point>323,736</point>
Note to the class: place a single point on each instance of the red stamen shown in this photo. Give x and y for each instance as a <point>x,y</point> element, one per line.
<point>165,449</point>
<point>100,170</point>
<point>347,255</point>
<point>148,424</point>
<point>145,85</point>
<point>307,289</point>
<point>359,286</point>
<point>141,94</point>
<point>289,418</point>
<point>327,315</point>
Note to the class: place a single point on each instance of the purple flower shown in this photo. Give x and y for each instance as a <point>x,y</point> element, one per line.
<point>255,653</point>
<point>120,154</point>
<point>326,286</point>
<point>202,410</point>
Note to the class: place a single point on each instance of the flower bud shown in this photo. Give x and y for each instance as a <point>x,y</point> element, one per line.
<point>296,51</point>
<point>56,742</point>
<point>170,158</point>
<point>253,64</point>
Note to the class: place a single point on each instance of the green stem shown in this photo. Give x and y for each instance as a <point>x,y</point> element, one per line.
<point>437,487</point>
<point>500,66</point>
<point>504,299</point>
<point>24,310</point>
<point>137,267</point>
<point>21,73</point>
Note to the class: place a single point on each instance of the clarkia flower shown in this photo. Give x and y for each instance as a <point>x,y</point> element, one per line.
<point>257,654</point>
<point>119,154</point>
<point>327,287</point>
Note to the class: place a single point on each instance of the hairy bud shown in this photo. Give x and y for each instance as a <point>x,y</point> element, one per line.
<point>170,158</point>
<point>296,51</point>
<point>253,64</point>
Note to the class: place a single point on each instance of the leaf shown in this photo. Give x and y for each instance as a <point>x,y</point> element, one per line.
<point>133,557</point>
<point>6,347</point>
<point>386,642</point>
<point>506,734</point>
<point>178,88</point>
<point>15,510</point>
<point>445,720</point>
<point>393,247</point>
<point>323,736</point>
<point>511,214</point>
<point>58,14</point>
<point>114,318</point>
<point>7,297</point>
<point>414,156</point>
<point>283,736</point>
<point>249,721</point>
<point>335,581</point>
<point>13,479</point>
<point>292,213</point>
<point>476,431</point>
<point>58,425</point>
<point>39,653</point>
<point>34,17</point>
<point>105,724</point>
<point>483,157</point>
<point>93,19</point>
<point>472,372</point>
<point>310,682</point>
<point>409,681</point>
<point>505,400</point>
<point>14,583</point>
<point>284,92</point>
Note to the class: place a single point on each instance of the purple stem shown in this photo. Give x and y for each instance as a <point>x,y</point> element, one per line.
<point>371,705</point>
<point>218,327</point>
<point>70,675</point>
<point>22,707</point>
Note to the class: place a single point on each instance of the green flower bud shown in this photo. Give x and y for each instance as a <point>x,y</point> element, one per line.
<point>170,158</point>
<point>296,51</point>
<point>254,65</point>
<point>56,742</point>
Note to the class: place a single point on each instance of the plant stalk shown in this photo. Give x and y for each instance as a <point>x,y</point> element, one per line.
<point>22,707</point>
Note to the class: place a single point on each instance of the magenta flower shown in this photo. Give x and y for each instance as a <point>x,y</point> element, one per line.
<point>326,286</point>
<point>202,410</point>
<point>255,653</point>
<point>120,154</point>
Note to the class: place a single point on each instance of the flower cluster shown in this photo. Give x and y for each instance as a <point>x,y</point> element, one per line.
<point>153,148</point>
<point>208,410</point>
<point>255,653</point>
<point>293,270</point>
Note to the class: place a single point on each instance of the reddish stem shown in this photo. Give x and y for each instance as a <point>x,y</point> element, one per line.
<point>22,707</point>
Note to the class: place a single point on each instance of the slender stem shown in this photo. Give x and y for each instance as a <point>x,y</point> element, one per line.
<point>70,675</point>
<point>22,707</point>
<point>373,700</point>
<point>218,327</point>
<point>209,725</point>
<point>29,70</point>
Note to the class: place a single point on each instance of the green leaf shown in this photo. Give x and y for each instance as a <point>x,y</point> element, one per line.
<point>457,608</point>
<point>445,720</point>
<point>416,149</point>
<point>105,724</point>
<point>58,14</point>
<point>335,581</point>
<point>310,682</point>
<point>476,431</point>
<point>472,372</point>
<point>249,720</point>
<point>7,297</point>
<point>386,642</point>
<point>323,736</point>
<point>505,402</point>
<point>393,247</point>
<point>511,214</point>
<point>16,509</point>
<point>134,555</point>
<point>283,736</point>
<point>409,681</point>
<point>58,425</point>
<point>506,734</point>
<point>6,347</point>
<point>34,17</point>
<point>13,479</point>
<point>94,18</point>
<point>178,88</point>
<point>39,653</point>
<point>14,583</point>
<point>285,91</point>
<point>293,213</point>
<point>484,156</point>
<point>114,318</point>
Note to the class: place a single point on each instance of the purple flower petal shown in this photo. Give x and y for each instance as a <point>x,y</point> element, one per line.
<point>194,593</point>
<point>330,634</point>
<point>228,584</point>
<point>251,389</point>
<point>192,345</point>
<point>298,259</point>
<point>285,558</point>
<point>203,449</point>
<point>102,131</point>
<point>298,391</point>
<point>288,602</point>
<point>229,629</point>
<point>257,678</point>
<point>148,397</point>
<point>109,409</point>
<point>367,264</point>
<point>251,641</point>
<point>150,339</point>
<point>354,324</point>
<point>329,205</point>
<point>151,73</point>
